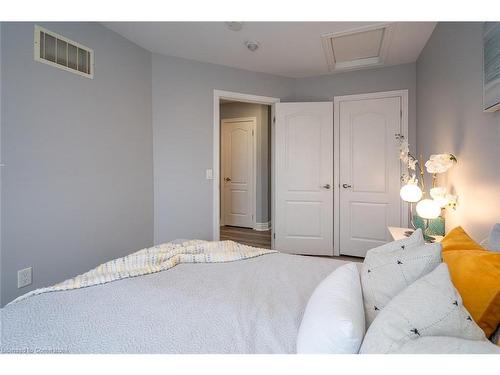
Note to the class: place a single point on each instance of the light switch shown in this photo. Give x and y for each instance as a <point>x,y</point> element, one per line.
<point>24,277</point>
<point>210,174</point>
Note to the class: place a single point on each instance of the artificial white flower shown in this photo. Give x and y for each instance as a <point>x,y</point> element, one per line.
<point>405,177</point>
<point>413,179</point>
<point>452,201</point>
<point>405,147</point>
<point>439,196</point>
<point>440,163</point>
<point>412,163</point>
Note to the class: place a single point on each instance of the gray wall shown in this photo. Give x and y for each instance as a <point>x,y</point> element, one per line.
<point>323,88</point>
<point>450,119</point>
<point>263,130</point>
<point>77,188</point>
<point>183,138</point>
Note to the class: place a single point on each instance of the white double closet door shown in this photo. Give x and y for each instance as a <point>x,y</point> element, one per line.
<point>369,173</point>
<point>303,178</point>
<point>365,187</point>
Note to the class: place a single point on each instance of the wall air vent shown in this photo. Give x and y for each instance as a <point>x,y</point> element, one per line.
<point>357,49</point>
<point>60,52</point>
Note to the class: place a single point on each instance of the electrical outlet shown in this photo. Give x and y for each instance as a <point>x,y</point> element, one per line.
<point>24,277</point>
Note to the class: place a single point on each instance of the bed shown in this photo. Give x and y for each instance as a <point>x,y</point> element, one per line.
<point>247,306</point>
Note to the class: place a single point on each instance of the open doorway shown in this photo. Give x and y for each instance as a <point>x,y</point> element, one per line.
<point>229,96</point>
<point>245,172</point>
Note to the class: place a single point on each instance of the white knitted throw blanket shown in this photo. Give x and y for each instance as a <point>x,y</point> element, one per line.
<point>156,259</point>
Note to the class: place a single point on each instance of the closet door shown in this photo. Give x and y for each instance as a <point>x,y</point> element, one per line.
<point>369,172</point>
<point>303,178</point>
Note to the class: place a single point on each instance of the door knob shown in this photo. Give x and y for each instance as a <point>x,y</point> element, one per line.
<point>327,186</point>
<point>227,179</point>
<point>345,186</point>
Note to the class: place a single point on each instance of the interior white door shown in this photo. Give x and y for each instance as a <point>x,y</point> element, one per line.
<point>303,177</point>
<point>369,173</point>
<point>237,156</point>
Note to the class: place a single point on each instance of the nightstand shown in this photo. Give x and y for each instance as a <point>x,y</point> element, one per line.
<point>398,233</point>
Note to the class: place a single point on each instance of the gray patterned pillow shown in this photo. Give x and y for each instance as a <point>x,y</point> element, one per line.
<point>447,345</point>
<point>430,307</point>
<point>390,268</point>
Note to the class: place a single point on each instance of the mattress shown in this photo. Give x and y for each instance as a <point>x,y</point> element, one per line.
<point>248,306</point>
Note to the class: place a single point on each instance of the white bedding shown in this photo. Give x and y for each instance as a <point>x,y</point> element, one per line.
<point>248,306</point>
<point>156,259</point>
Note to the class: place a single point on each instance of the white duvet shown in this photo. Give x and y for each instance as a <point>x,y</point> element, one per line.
<point>247,306</point>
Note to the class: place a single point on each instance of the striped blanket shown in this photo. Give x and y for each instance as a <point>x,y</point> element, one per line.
<point>156,259</point>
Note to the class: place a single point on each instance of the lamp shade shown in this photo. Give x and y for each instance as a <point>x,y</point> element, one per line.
<point>428,209</point>
<point>410,193</point>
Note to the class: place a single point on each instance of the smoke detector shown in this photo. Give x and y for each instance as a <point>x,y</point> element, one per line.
<point>252,45</point>
<point>234,26</point>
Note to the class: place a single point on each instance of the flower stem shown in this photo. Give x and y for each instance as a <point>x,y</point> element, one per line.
<point>422,181</point>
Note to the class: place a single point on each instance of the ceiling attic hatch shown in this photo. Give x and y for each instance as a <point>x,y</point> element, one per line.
<point>357,49</point>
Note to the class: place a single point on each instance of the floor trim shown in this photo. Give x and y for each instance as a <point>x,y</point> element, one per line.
<point>262,226</point>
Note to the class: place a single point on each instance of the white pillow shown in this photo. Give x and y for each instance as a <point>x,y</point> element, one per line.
<point>390,268</point>
<point>431,306</point>
<point>334,320</point>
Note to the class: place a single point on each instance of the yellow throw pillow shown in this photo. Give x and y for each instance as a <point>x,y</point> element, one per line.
<point>458,239</point>
<point>476,275</point>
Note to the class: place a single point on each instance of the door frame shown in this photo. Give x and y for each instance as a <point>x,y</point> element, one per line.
<point>254,168</point>
<point>403,94</point>
<point>240,97</point>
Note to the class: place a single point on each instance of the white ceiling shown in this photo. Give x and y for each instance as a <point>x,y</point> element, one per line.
<point>291,49</point>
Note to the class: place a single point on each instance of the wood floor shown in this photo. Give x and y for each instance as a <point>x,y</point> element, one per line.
<point>248,236</point>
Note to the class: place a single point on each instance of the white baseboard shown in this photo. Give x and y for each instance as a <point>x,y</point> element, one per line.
<point>262,226</point>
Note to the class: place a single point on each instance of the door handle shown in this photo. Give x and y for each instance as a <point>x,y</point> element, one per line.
<point>345,186</point>
<point>327,186</point>
<point>227,179</point>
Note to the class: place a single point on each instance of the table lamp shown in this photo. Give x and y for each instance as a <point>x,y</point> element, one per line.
<point>428,209</point>
<point>411,193</point>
